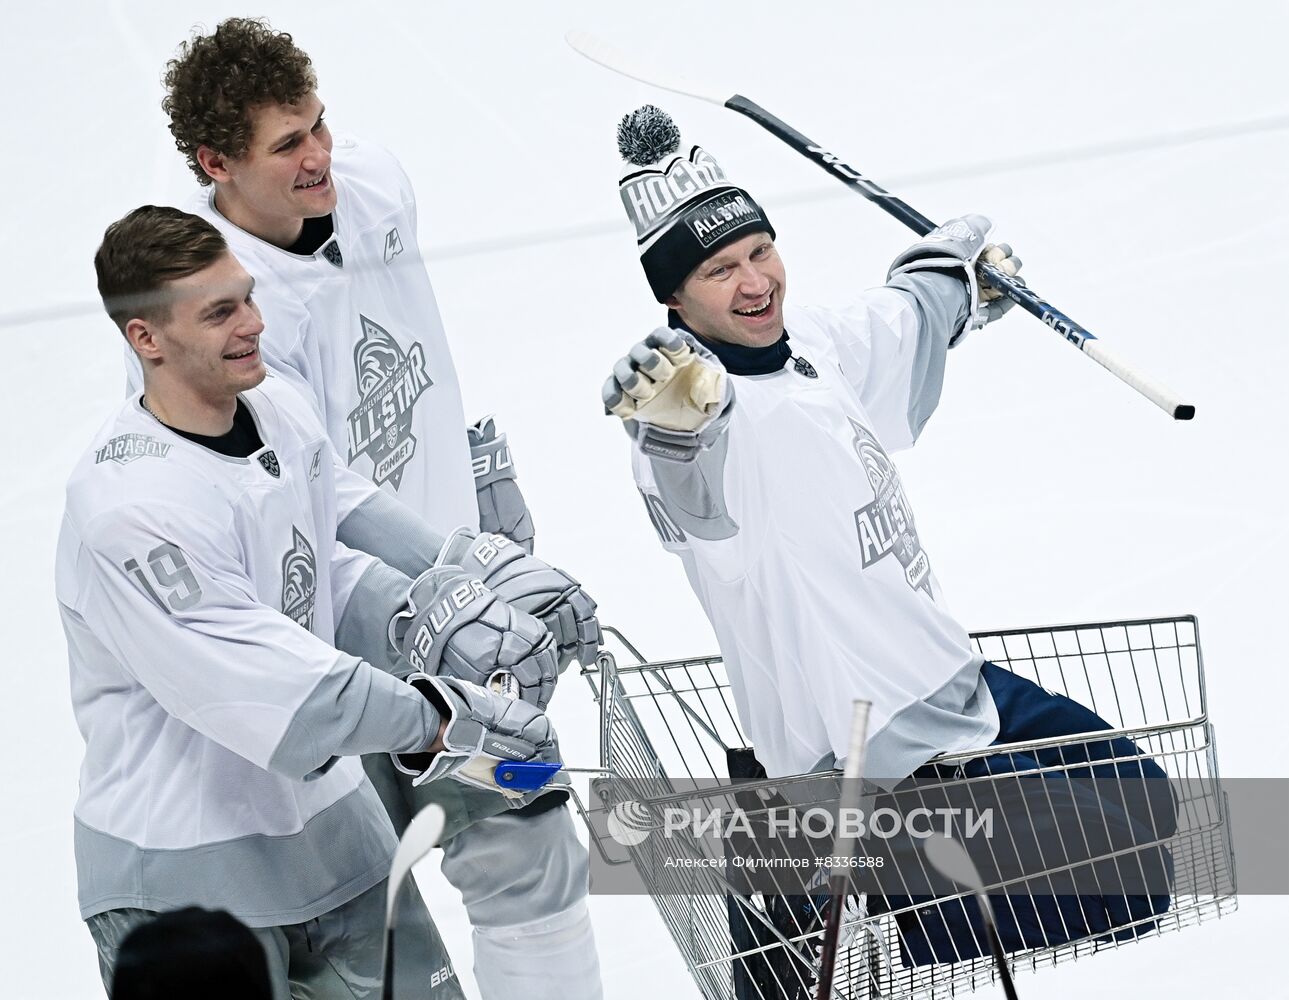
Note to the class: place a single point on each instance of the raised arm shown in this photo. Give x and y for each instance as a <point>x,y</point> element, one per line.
<point>892,343</point>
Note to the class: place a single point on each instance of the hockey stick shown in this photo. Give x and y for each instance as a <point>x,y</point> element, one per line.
<point>951,860</point>
<point>421,834</point>
<point>426,828</point>
<point>611,58</point>
<point>839,885</point>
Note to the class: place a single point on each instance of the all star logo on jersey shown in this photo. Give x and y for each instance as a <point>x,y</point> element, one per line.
<point>299,580</point>
<point>391,381</point>
<point>393,245</point>
<point>125,448</point>
<point>270,463</point>
<point>331,253</point>
<point>886,525</point>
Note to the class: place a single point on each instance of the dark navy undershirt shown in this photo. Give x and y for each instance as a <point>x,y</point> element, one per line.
<point>242,441</point>
<point>737,359</point>
<point>315,233</point>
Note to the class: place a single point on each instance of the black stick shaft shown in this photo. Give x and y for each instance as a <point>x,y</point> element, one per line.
<point>996,946</point>
<point>838,886</point>
<point>387,985</point>
<point>845,173</point>
<point>1033,304</point>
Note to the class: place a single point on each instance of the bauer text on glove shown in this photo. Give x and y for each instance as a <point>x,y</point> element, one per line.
<point>453,625</point>
<point>528,584</point>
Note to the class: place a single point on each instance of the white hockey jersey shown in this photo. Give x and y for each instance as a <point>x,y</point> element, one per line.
<point>810,567</point>
<point>199,594</point>
<point>356,324</point>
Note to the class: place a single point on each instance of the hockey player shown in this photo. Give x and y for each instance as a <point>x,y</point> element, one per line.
<point>762,435</point>
<point>328,229</point>
<point>203,592</point>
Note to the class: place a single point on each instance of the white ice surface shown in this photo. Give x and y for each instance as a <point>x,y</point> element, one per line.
<point>1045,490</point>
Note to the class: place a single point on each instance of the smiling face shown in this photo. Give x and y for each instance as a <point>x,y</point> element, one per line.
<point>736,295</point>
<point>283,178</point>
<point>203,347</point>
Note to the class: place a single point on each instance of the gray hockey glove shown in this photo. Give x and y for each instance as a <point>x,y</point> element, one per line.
<point>959,246</point>
<point>484,729</point>
<point>502,509</point>
<point>530,585</point>
<point>455,626</point>
<point>672,394</point>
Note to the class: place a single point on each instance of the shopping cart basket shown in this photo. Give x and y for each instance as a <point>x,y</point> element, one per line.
<point>670,735</point>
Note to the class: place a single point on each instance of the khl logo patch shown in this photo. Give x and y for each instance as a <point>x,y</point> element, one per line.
<point>390,381</point>
<point>803,367</point>
<point>299,581</point>
<point>331,253</point>
<point>270,463</point>
<point>886,525</point>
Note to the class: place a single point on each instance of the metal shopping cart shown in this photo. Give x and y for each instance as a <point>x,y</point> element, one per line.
<point>670,737</point>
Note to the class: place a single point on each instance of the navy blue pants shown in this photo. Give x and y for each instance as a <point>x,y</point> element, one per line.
<point>1096,797</point>
<point>1106,785</point>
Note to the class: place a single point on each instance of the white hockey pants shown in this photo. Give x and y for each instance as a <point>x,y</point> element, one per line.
<point>524,882</point>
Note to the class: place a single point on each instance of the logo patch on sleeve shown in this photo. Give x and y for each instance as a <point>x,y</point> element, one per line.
<point>393,245</point>
<point>125,448</point>
<point>886,526</point>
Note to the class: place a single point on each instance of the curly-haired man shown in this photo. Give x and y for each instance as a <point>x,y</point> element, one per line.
<point>327,227</point>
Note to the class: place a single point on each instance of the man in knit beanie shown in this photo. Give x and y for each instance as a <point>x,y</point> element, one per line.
<point>762,436</point>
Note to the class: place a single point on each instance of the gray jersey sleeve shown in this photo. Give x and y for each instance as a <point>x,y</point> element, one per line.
<point>351,713</point>
<point>363,628</point>
<point>694,491</point>
<point>387,528</point>
<point>942,304</point>
<point>212,655</point>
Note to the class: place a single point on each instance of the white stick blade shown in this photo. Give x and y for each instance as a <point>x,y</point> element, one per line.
<point>611,57</point>
<point>1158,393</point>
<point>425,830</point>
<point>951,860</point>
